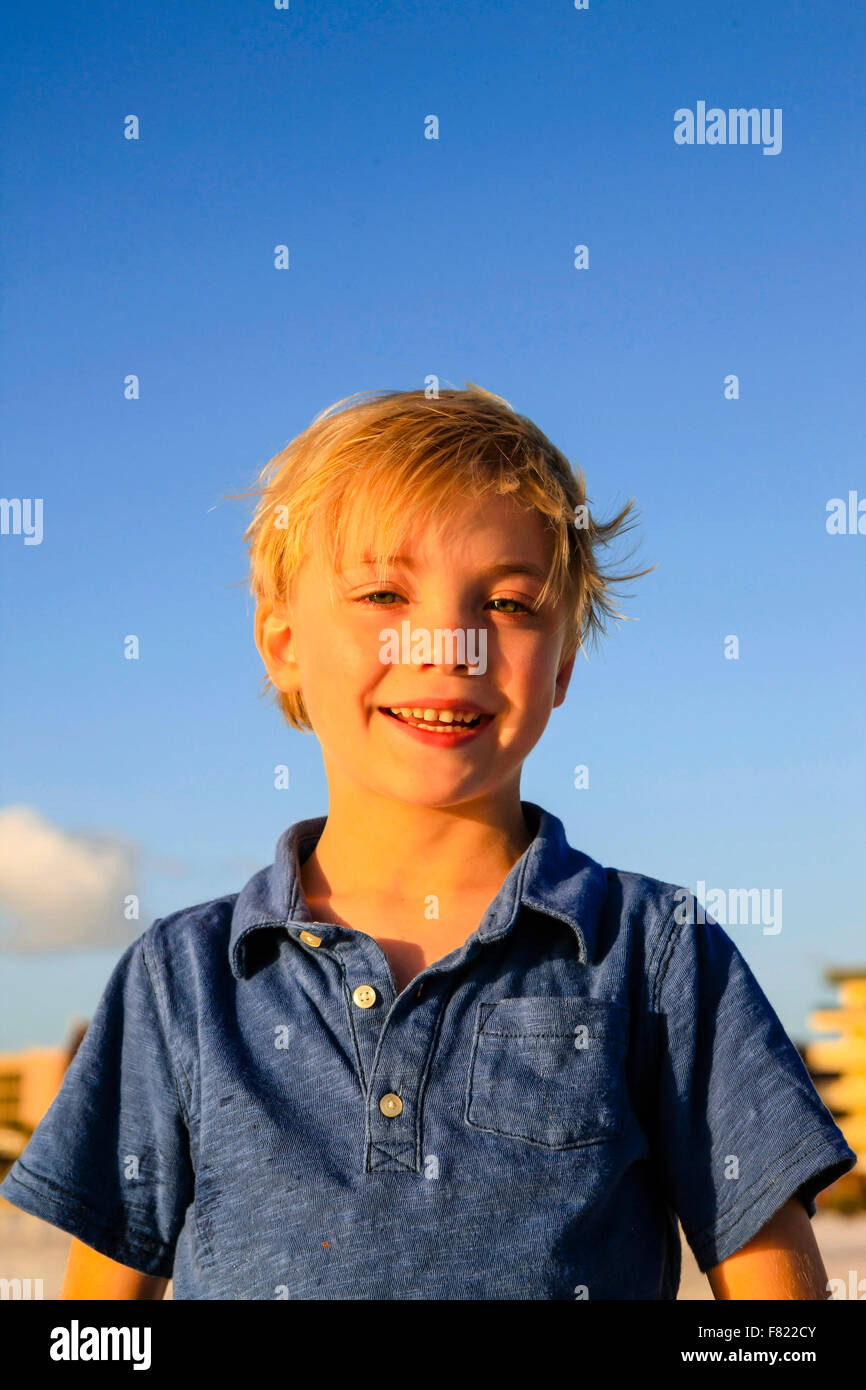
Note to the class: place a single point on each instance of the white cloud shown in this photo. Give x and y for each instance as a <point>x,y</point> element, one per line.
<point>61,890</point>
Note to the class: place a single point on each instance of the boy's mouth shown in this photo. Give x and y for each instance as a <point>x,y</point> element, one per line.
<point>437,721</point>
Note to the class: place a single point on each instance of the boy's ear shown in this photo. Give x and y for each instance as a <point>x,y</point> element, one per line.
<point>563,678</point>
<point>275,643</point>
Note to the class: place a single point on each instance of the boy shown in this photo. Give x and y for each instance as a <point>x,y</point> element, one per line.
<point>433,1051</point>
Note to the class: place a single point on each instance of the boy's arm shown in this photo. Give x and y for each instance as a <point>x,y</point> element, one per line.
<point>741,1136</point>
<point>90,1275</point>
<point>109,1162</point>
<point>781,1261</point>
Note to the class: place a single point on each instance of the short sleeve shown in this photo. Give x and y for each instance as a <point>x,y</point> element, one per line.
<point>740,1125</point>
<point>110,1162</point>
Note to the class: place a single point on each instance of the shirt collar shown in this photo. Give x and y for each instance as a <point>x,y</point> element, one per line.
<point>550,877</point>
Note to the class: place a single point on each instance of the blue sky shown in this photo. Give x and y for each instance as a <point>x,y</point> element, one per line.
<point>411,256</point>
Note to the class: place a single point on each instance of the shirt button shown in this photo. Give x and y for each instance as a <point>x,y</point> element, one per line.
<point>310,939</point>
<point>390,1104</point>
<point>364,996</point>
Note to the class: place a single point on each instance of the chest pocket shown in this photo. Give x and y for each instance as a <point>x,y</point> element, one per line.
<point>549,1071</point>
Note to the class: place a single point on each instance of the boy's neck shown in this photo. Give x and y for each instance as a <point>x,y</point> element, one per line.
<point>400,851</point>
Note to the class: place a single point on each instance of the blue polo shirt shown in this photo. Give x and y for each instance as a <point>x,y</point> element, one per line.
<point>256,1111</point>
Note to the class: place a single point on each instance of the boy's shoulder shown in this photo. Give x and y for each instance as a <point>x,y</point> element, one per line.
<point>202,937</point>
<point>638,926</point>
<point>199,924</point>
<point>569,882</point>
<point>188,941</point>
<point>655,905</point>
<point>639,904</point>
<point>635,894</point>
<point>611,909</point>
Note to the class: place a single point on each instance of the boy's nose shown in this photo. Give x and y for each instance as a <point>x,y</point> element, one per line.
<point>454,648</point>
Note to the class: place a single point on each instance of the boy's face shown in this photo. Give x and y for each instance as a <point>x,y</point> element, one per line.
<point>332,651</point>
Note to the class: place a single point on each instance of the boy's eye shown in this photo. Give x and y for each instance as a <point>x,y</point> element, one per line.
<point>370,601</point>
<point>377,593</point>
<point>516,601</point>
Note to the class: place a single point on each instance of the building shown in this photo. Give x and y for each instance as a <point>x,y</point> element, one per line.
<point>837,1066</point>
<point>29,1081</point>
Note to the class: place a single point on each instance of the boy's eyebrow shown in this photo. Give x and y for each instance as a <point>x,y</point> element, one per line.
<point>501,567</point>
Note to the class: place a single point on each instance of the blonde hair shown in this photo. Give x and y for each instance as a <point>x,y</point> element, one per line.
<point>401,457</point>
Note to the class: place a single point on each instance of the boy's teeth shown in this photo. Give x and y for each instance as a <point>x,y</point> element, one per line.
<point>433,716</point>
